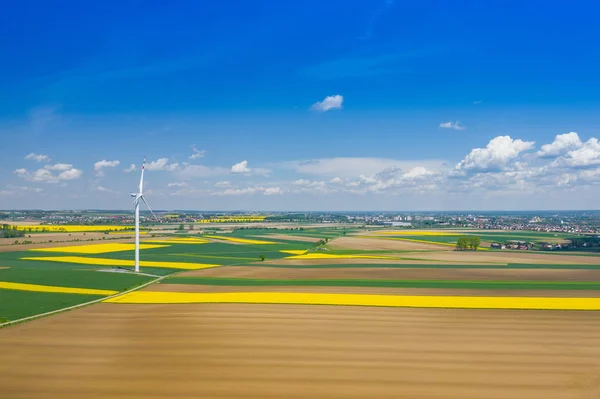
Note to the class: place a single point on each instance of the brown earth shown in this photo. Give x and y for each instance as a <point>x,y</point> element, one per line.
<point>292,351</point>
<point>509,257</point>
<point>383,244</point>
<point>289,237</point>
<point>163,287</point>
<point>383,273</point>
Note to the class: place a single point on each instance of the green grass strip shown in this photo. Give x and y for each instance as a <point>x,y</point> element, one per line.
<point>460,284</point>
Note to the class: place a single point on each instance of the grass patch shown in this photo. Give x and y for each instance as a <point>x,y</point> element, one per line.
<point>18,304</point>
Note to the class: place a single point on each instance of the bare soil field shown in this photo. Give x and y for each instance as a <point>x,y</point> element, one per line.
<point>510,257</point>
<point>383,273</point>
<point>163,287</point>
<point>287,351</point>
<point>383,244</point>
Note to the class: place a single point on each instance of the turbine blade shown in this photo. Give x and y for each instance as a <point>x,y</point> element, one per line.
<point>148,206</point>
<point>142,178</point>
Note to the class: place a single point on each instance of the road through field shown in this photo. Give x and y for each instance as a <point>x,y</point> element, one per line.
<point>275,351</point>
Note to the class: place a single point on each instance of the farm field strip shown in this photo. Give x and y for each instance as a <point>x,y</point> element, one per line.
<point>438,265</point>
<point>457,284</point>
<point>241,240</point>
<point>121,262</point>
<point>454,302</point>
<point>51,288</point>
<point>97,248</point>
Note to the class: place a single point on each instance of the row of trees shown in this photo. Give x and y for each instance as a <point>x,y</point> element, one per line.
<point>466,243</point>
<point>9,231</point>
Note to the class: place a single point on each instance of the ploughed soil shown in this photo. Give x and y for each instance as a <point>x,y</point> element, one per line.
<point>61,240</point>
<point>298,351</point>
<point>383,273</point>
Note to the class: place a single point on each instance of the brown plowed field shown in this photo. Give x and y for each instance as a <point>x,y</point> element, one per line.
<point>383,273</point>
<point>286,351</point>
<point>288,237</point>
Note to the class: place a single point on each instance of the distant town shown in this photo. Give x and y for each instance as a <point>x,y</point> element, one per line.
<point>574,222</point>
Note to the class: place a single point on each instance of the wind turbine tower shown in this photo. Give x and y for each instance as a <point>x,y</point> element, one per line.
<point>139,196</point>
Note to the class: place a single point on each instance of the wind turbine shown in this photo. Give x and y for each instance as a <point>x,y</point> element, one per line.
<point>136,203</point>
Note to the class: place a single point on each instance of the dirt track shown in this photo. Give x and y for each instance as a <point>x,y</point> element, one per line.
<point>283,351</point>
<point>383,273</point>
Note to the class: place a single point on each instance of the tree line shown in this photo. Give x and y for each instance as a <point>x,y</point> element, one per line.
<point>466,243</point>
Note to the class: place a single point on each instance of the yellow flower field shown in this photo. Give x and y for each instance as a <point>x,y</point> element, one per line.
<point>121,262</point>
<point>241,240</point>
<point>71,229</point>
<point>462,302</point>
<point>293,251</point>
<point>98,248</point>
<point>315,255</point>
<point>51,288</point>
<point>233,219</point>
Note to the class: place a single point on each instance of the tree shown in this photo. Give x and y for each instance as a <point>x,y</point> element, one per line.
<point>181,226</point>
<point>474,242</point>
<point>191,226</point>
<point>262,257</point>
<point>462,243</point>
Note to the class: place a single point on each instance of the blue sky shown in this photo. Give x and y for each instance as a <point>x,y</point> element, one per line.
<point>308,105</point>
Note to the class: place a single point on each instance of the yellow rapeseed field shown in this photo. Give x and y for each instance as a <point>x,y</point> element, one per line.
<point>293,251</point>
<point>241,240</point>
<point>234,219</point>
<point>51,288</point>
<point>463,302</point>
<point>121,262</point>
<point>98,248</point>
<point>314,255</point>
<point>72,229</point>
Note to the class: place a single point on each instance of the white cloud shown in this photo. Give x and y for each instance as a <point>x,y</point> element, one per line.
<point>38,157</point>
<point>496,155</point>
<point>301,182</point>
<point>159,164</point>
<point>452,125</point>
<point>100,165</point>
<point>59,166</point>
<point>241,167</point>
<point>561,144</point>
<point>187,171</point>
<point>585,156</point>
<point>177,184</point>
<point>130,169</point>
<point>67,172</point>
<point>329,103</point>
<point>223,184</point>
<point>273,191</point>
<point>197,153</point>
<point>336,180</point>
<point>105,190</point>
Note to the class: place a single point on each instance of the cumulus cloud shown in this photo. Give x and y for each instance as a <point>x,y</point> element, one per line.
<point>130,169</point>
<point>222,184</point>
<point>496,155</point>
<point>452,125</point>
<point>162,164</point>
<point>249,191</point>
<point>100,165</point>
<point>197,153</point>
<point>561,144</point>
<point>336,180</point>
<point>586,156</point>
<point>105,190</point>
<point>67,172</point>
<point>329,103</point>
<point>273,191</point>
<point>187,171</point>
<point>241,167</point>
<point>38,157</point>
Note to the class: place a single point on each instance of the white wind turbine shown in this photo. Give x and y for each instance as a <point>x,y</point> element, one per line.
<point>136,203</point>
